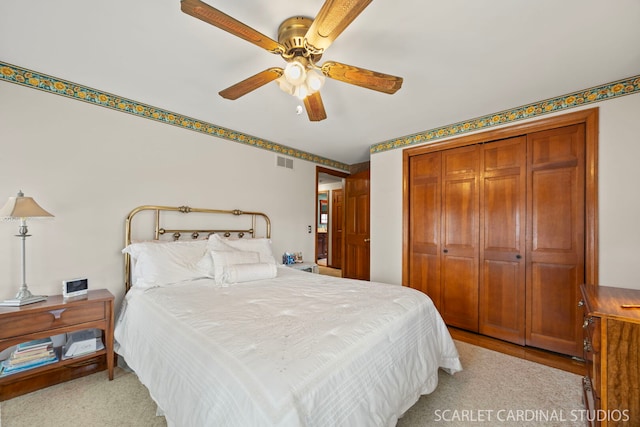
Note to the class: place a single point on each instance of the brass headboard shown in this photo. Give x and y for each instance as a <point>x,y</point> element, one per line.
<point>194,233</point>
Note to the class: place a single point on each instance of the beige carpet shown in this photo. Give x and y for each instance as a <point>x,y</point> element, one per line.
<point>492,390</point>
<point>495,389</point>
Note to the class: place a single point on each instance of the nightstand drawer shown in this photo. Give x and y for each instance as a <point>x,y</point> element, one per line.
<point>30,322</point>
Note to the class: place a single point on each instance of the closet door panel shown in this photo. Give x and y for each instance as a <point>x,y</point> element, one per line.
<point>502,240</point>
<point>501,313</point>
<point>460,237</point>
<point>460,292</point>
<point>554,206</point>
<point>425,276</point>
<point>502,210</point>
<point>555,235</point>
<point>424,223</point>
<point>460,213</point>
<point>553,323</point>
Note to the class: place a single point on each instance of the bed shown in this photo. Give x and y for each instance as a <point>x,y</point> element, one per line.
<point>222,335</point>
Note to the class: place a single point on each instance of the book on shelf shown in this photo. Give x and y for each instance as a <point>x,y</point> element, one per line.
<point>34,345</point>
<point>8,370</point>
<point>29,355</point>
<point>21,359</point>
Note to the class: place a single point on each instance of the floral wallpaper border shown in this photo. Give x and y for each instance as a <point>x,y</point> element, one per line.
<point>576,99</point>
<point>24,77</point>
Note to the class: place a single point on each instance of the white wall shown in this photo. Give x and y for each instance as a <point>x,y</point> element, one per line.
<point>619,200</point>
<point>89,166</point>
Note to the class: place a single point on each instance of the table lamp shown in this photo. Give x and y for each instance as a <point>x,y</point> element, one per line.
<point>21,208</point>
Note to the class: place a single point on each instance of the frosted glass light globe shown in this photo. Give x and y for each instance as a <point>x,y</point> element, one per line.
<point>315,80</point>
<point>295,73</point>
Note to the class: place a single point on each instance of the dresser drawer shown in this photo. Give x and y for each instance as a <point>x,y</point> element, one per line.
<point>592,351</point>
<point>592,332</point>
<point>590,400</point>
<point>27,323</point>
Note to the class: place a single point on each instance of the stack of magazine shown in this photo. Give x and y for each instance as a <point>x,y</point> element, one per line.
<point>83,342</point>
<point>28,355</point>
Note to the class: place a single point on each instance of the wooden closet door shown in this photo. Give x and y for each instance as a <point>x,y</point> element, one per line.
<point>502,239</point>
<point>459,237</point>
<point>424,225</point>
<point>555,238</point>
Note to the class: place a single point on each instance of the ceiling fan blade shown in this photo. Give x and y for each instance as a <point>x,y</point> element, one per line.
<point>333,18</point>
<point>251,83</point>
<point>315,107</point>
<point>213,16</point>
<point>359,76</point>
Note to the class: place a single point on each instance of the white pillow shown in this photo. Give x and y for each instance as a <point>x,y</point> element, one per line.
<point>158,263</point>
<point>260,245</point>
<point>223,260</point>
<point>247,272</point>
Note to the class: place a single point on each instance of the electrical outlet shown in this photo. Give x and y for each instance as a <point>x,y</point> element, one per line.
<point>309,229</point>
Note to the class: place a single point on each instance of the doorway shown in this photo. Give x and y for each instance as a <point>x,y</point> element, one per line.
<point>329,220</point>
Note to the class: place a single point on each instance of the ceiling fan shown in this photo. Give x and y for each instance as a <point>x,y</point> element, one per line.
<point>301,43</point>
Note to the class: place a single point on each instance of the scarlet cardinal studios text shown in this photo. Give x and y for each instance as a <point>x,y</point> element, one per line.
<point>528,415</point>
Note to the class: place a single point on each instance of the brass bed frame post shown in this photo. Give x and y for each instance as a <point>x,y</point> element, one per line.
<point>253,225</point>
<point>127,258</point>
<point>268,222</point>
<point>156,235</point>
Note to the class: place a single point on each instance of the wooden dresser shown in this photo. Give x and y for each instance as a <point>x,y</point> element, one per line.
<point>612,354</point>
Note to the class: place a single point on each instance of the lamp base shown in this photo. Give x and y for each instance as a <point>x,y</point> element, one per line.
<point>17,302</point>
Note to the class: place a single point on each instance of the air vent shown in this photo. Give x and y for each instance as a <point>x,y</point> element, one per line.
<point>284,162</point>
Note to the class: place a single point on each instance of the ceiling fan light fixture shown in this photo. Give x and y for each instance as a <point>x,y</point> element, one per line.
<point>315,80</point>
<point>300,79</point>
<point>285,86</point>
<point>302,91</point>
<point>295,72</point>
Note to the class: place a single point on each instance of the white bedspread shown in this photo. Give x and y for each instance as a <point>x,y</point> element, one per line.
<point>298,350</point>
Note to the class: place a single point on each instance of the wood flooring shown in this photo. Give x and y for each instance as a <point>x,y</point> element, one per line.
<point>548,358</point>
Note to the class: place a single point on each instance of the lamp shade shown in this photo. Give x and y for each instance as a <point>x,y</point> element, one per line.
<point>20,207</point>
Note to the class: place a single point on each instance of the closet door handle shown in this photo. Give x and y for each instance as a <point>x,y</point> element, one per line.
<point>518,256</point>
<point>445,251</point>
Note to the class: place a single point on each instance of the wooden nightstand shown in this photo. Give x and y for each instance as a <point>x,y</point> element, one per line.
<point>310,267</point>
<point>52,317</point>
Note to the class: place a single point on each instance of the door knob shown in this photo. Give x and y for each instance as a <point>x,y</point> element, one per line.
<point>518,256</point>
<point>367,240</point>
<point>445,251</point>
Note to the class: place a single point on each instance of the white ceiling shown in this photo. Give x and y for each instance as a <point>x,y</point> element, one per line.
<point>460,59</point>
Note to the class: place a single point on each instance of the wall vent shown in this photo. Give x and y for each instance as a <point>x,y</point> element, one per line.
<point>284,162</point>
